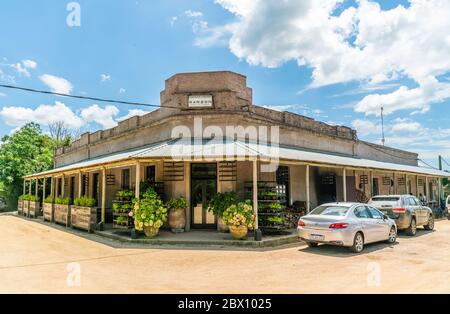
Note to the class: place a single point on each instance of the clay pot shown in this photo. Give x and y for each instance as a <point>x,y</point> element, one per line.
<point>238,233</point>
<point>222,226</point>
<point>151,232</point>
<point>177,220</point>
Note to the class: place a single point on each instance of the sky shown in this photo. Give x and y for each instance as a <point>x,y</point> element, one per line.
<point>337,61</point>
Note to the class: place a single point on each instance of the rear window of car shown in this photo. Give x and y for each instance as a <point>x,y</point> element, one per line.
<point>385,199</point>
<point>330,210</point>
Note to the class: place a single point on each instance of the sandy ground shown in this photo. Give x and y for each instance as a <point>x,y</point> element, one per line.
<point>39,259</point>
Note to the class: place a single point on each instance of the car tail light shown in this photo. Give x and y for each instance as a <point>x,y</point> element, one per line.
<point>399,210</point>
<point>301,223</point>
<point>339,225</point>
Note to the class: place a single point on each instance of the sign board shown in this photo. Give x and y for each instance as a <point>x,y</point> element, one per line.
<point>200,101</point>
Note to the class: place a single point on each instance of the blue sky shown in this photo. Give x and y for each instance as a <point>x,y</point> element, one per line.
<point>336,61</point>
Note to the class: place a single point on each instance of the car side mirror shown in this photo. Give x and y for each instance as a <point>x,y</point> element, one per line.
<point>385,217</point>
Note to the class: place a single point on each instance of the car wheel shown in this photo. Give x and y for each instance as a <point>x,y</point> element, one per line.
<point>358,243</point>
<point>312,244</point>
<point>430,224</point>
<point>412,229</point>
<point>392,235</point>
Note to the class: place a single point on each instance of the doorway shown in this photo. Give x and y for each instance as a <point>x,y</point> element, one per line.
<point>203,188</point>
<point>95,187</point>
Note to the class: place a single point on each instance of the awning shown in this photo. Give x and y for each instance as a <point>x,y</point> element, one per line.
<point>197,149</point>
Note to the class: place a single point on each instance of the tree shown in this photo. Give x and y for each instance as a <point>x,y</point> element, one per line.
<point>25,152</point>
<point>61,134</point>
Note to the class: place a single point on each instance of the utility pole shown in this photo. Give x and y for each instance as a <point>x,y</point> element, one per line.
<point>440,162</point>
<point>383,140</point>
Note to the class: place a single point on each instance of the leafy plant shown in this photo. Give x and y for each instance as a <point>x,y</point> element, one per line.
<point>177,203</point>
<point>149,211</point>
<point>49,199</point>
<point>29,197</point>
<point>240,214</point>
<point>63,200</point>
<point>220,202</point>
<point>85,202</point>
<point>125,194</point>
<point>276,220</point>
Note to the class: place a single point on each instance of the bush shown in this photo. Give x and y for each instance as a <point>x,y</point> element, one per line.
<point>85,202</point>
<point>240,214</point>
<point>29,197</point>
<point>149,211</point>
<point>177,203</point>
<point>63,200</point>
<point>49,199</point>
<point>220,202</point>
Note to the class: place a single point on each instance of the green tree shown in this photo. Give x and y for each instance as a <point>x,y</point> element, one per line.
<point>25,152</point>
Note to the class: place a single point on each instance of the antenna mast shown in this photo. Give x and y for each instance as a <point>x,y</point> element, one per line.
<point>383,139</point>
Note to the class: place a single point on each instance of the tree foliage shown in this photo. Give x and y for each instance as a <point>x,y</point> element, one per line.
<point>25,152</point>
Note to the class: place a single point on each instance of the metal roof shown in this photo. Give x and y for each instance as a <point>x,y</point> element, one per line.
<point>187,149</point>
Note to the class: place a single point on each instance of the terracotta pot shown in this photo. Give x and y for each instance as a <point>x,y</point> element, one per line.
<point>177,220</point>
<point>238,233</point>
<point>222,226</point>
<point>151,232</point>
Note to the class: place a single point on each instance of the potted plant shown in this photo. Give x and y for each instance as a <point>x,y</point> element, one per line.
<point>149,213</point>
<point>122,210</point>
<point>61,212</point>
<point>177,214</point>
<point>48,208</point>
<point>83,214</point>
<point>239,218</point>
<point>218,204</point>
<point>33,206</point>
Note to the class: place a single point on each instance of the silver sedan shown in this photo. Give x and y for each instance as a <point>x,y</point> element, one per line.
<point>346,224</point>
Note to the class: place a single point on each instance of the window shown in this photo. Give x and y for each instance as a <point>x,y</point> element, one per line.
<point>59,192</point>
<point>283,182</point>
<point>375,213</point>
<point>362,212</point>
<point>150,174</point>
<point>330,211</point>
<point>125,179</point>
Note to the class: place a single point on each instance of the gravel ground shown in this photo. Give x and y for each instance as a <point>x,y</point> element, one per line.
<point>35,258</point>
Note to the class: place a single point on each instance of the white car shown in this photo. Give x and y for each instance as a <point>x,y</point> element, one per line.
<point>447,206</point>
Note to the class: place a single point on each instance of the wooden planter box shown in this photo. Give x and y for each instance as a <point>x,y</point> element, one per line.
<point>34,209</point>
<point>26,208</point>
<point>48,209</point>
<point>61,214</point>
<point>20,207</point>
<point>84,217</point>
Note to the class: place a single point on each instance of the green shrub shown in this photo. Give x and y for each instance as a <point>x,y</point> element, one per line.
<point>220,202</point>
<point>149,211</point>
<point>63,200</point>
<point>49,199</point>
<point>177,203</point>
<point>85,201</point>
<point>240,214</point>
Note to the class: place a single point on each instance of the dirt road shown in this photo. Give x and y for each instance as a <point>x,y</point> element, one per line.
<point>37,258</point>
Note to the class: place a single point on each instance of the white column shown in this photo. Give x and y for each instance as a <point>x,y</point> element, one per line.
<point>417,186</point>
<point>427,190</point>
<point>344,183</point>
<point>308,206</point>
<point>44,188</point>
<point>36,187</point>
<point>407,184</point>
<point>63,185</point>
<point>255,191</point>
<point>371,183</point>
<point>103,194</point>
<point>24,186</point>
<point>137,187</point>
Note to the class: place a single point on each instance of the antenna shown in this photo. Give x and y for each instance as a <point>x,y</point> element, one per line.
<point>383,140</point>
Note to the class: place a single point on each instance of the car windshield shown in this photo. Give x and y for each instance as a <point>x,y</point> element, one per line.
<point>385,199</point>
<point>330,210</point>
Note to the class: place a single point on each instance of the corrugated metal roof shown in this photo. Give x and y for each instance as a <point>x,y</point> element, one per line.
<point>186,149</point>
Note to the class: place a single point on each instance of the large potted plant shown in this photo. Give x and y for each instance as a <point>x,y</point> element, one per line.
<point>61,212</point>
<point>218,204</point>
<point>177,214</point>
<point>83,213</point>
<point>34,206</point>
<point>239,218</point>
<point>149,213</point>
<point>48,208</point>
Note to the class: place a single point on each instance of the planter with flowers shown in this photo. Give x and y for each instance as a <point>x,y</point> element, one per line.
<point>149,213</point>
<point>48,207</point>
<point>62,210</point>
<point>177,214</point>
<point>83,213</point>
<point>218,204</point>
<point>239,218</point>
<point>34,206</point>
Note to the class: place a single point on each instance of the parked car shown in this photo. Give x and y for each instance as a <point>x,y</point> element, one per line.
<point>407,211</point>
<point>447,207</point>
<point>346,224</point>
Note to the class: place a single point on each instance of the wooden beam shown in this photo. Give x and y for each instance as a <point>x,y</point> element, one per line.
<point>308,205</point>
<point>344,183</point>
<point>80,179</point>
<point>103,195</point>
<point>63,186</point>
<point>24,186</point>
<point>427,190</point>
<point>255,191</point>
<point>36,187</point>
<point>43,188</point>
<point>30,187</point>
<point>137,191</point>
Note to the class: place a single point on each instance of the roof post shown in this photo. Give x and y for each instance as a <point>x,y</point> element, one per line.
<point>344,183</point>
<point>255,191</point>
<point>308,206</point>
<point>103,195</point>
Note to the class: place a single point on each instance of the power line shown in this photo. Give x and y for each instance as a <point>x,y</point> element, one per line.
<point>421,160</point>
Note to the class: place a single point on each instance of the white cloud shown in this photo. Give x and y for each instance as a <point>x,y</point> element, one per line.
<point>190,13</point>
<point>7,78</point>
<point>43,114</point>
<point>20,69</point>
<point>57,84</point>
<point>30,64</point>
<point>122,90</point>
<point>362,43</point>
<point>132,113</point>
<point>105,77</point>
<point>172,20</point>
<point>405,125</point>
<point>2,94</point>
<point>102,116</point>
<point>366,127</point>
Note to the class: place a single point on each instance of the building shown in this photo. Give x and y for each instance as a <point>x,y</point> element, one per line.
<point>208,137</point>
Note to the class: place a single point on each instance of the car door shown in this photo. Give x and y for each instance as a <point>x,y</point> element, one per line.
<point>419,210</point>
<point>368,227</point>
<point>381,227</point>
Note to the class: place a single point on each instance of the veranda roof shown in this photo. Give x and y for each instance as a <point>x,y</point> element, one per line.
<point>187,149</point>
